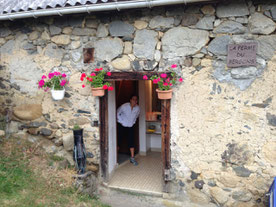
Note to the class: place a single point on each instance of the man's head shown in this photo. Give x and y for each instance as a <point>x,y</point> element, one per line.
<point>133,100</point>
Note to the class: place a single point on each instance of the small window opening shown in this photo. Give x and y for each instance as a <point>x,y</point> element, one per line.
<point>88,55</point>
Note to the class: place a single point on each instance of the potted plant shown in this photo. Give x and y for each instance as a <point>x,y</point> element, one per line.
<point>96,81</point>
<point>56,82</point>
<point>79,153</point>
<point>165,83</point>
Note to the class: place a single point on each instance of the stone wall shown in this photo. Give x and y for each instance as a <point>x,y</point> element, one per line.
<point>223,120</point>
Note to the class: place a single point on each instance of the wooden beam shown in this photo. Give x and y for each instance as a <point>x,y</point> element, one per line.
<point>166,134</point>
<point>130,75</point>
<point>104,135</point>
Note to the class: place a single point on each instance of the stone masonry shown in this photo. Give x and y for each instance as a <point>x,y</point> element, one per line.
<point>223,120</point>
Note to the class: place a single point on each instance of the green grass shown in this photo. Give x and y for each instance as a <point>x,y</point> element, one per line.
<point>20,186</point>
<point>56,158</point>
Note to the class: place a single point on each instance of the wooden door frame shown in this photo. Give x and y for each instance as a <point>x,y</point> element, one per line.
<point>165,133</point>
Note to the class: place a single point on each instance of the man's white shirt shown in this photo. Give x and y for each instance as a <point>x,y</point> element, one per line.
<point>127,116</point>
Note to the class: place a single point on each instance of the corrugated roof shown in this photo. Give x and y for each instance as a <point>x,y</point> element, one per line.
<point>18,9</point>
<point>12,6</point>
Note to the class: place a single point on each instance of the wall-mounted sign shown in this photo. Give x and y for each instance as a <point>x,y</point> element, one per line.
<point>243,54</point>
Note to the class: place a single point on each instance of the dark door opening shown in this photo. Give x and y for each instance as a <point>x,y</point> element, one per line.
<point>124,90</point>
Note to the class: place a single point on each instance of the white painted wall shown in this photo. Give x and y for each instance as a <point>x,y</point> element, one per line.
<point>112,131</point>
<point>142,118</point>
<point>155,142</point>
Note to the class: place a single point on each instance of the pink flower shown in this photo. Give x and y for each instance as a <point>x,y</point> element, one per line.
<point>63,75</point>
<point>180,80</point>
<point>50,75</point>
<point>170,84</point>
<point>145,77</point>
<point>81,78</point>
<point>173,66</point>
<point>83,86</point>
<point>63,82</point>
<point>83,75</point>
<point>155,81</point>
<point>97,69</point>
<point>158,79</point>
<point>105,87</point>
<point>108,73</point>
<point>165,84</point>
<point>41,83</point>
<point>93,74</point>
<point>100,69</point>
<point>163,75</point>
<point>43,77</point>
<point>168,80</point>
<point>110,88</point>
<point>90,79</point>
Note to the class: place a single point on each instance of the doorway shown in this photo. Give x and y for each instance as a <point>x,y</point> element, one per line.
<point>108,143</point>
<point>124,89</point>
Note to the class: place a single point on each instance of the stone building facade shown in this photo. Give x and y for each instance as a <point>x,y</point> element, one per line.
<point>223,120</point>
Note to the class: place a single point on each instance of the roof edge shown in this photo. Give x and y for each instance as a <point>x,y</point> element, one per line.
<point>121,5</point>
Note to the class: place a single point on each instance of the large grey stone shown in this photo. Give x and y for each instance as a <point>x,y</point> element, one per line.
<point>4,32</point>
<point>266,46</point>
<point>84,32</point>
<point>144,44</point>
<point>244,73</point>
<point>159,22</point>
<point>7,47</point>
<point>108,49</point>
<point>76,55</point>
<point>45,132</point>
<point>218,46</point>
<point>185,42</point>
<point>230,27</point>
<point>241,196</point>
<point>120,29</point>
<point>206,23</point>
<point>242,171</point>
<point>102,31</point>
<point>28,111</point>
<point>260,24</point>
<point>232,9</point>
<point>54,30</point>
<point>189,19</point>
<point>29,47</point>
<point>53,51</point>
<point>224,76</point>
<point>273,13</point>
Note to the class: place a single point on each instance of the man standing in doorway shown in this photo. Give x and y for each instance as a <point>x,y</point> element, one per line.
<point>127,115</point>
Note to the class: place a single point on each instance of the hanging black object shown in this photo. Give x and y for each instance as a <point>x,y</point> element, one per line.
<point>79,154</point>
